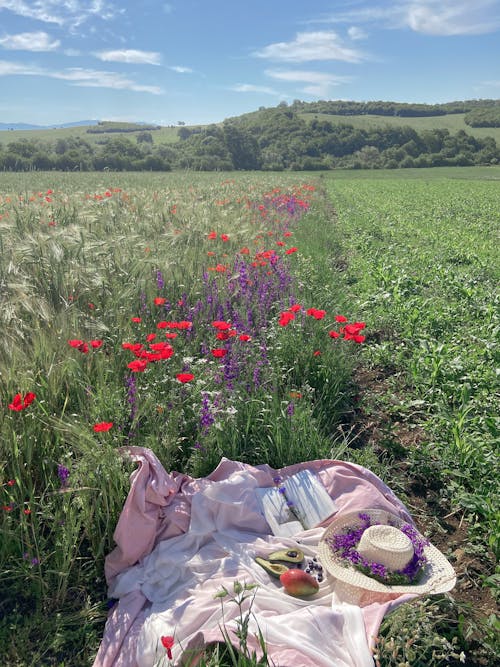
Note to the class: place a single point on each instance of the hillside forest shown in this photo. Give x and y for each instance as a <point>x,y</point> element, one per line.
<point>287,137</point>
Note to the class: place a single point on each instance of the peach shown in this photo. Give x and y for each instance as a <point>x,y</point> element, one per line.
<point>299,583</point>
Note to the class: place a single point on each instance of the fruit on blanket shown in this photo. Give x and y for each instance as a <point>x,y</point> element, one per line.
<point>272,568</point>
<point>298,583</point>
<point>287,555</point>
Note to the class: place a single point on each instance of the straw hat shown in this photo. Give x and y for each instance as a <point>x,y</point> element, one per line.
<point>384,543</point>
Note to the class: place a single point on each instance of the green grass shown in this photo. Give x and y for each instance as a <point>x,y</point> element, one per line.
<point>451,122</point>
<point>165,135</point>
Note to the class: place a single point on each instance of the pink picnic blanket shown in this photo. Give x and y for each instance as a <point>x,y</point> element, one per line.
<point>181,539</point>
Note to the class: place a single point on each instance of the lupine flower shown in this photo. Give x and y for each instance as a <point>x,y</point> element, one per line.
<point>63,474</point>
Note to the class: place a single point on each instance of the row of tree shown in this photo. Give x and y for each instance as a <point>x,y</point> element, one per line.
<point>381,108</point>
<point>273,139</point>
<point>484,117</point>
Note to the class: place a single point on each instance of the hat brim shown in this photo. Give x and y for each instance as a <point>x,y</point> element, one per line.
<point>438,576</point>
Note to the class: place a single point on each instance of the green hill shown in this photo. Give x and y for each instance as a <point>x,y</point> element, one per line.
<point>302,136</point>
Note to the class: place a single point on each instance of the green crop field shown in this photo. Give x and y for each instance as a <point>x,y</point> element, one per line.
<point>94,265</point>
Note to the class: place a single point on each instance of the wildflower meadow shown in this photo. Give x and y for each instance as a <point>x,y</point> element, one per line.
<point>266,318</point>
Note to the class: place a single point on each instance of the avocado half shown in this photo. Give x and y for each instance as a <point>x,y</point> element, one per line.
<point>275,569</point>
<point>287,556</point>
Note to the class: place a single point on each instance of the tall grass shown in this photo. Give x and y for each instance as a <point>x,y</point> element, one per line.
<point>88,266</point>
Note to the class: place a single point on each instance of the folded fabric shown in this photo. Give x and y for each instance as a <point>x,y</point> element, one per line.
<point>181,539</point>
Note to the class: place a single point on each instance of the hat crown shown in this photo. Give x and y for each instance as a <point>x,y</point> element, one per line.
<point>386,545</point>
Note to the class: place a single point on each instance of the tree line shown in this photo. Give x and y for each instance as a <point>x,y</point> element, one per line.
<point>272,139</point>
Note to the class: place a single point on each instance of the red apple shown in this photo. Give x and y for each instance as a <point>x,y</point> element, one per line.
<point>298,583</point>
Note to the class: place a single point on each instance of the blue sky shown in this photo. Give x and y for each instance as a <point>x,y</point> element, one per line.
<point>200,61</point>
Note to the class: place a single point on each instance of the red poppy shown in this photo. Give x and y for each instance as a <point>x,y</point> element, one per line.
<point>221,325</point>
<point>184,377</point>
<point>287,234</point>
<point>184,324</point>
<point>19,403</point>
<point>224,237</point>
<point>11,482</point>
<point>136,320</point>
<point>295,308</point>
<point>290,251</point>
<point>244,251</point>
<point>245,337</point>
<point>212,235</point>
<point>102,427</point>
<point>137,366</point>
<point>333,334</point>
<point>170,334</point>
<point>150,337</point>
<point>162,325</point>
<point>358,338</point>
<point>316,353</point>
<point>317,314</point>
<point>353,329</point>
<point>76,343</point>
<point>167,643</point>
<point>159,301</point>
<point>285,319</point>
<point>96,344</point>
<point>136,348</point>
<point>340,318</point>
<point>219,352</point>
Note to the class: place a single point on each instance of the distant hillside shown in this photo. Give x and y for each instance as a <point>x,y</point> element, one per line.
<point>28,126</point>
<point>301,136</point>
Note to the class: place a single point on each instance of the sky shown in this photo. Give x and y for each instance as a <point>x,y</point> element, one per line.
<point>201,61</point>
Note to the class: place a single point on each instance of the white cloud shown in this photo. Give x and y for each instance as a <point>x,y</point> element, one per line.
<point>356,33</point>
<point>431,17</point>
<point>130,56</point>
<point>30,41</point>
<point>181,70</point>
<point>78,76</point>
<point>318,83</point>
<point>307,46</point>
<point>251,88</point>
<point>455,17</point>
<point>70,13</point>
